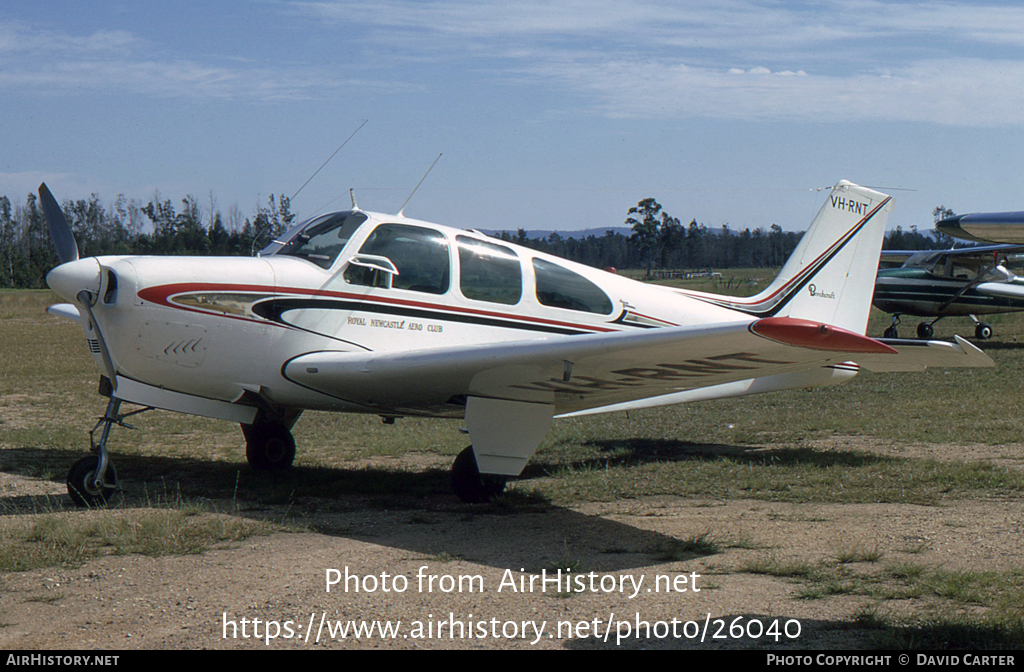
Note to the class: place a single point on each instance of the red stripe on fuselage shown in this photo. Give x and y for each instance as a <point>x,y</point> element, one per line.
<point>161,293</point>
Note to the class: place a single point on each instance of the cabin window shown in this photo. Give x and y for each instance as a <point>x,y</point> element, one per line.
<point>323,239</point>
<point>561,288</point>
<point>489,272</point>
<point>420,255</point>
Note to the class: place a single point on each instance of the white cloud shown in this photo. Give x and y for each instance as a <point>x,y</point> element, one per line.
<point>852,59</point>
<point>844,60</point>
<point>57,63</point>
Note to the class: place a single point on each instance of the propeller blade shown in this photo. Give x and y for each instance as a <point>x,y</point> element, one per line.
<point>60,230</point>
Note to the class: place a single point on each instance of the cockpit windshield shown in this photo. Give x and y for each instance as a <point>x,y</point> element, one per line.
<point>322,239</point>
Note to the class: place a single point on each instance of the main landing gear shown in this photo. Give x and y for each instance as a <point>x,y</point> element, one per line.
<point>269,444</point>
<point>470,485</point>
<point>92,480</point>
<point>925,330</point>
<point>982,331</point>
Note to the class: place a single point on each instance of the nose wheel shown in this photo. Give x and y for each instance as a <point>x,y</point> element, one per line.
<point>88,486</point>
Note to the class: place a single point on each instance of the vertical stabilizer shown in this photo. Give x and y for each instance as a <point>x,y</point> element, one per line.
<point>830,277</point>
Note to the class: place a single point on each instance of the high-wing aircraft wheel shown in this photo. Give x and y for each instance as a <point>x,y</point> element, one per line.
<point>269,447</point>
<point>925,331</point>
<point>82,483</point>
<point>983,331</point>
<point>891,332</point>
<point>470,485</point>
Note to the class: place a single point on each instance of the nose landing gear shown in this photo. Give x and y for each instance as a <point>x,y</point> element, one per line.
<point>92,480</point>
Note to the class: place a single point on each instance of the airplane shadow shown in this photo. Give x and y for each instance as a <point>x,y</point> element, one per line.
<point>635,452</point>
<point>413,511</point>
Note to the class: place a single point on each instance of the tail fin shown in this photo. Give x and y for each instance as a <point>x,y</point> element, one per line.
<point>830,277</point>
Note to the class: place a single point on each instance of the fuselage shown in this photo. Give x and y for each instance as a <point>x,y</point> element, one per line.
<point>218,327</point>
<point>918,291</point>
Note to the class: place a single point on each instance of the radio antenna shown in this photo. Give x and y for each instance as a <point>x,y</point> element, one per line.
<point>328,159</point>
<point>401,212</point>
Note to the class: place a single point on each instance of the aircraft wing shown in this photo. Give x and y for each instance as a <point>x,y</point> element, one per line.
<point>581,372</point>
<point>989,251</point>
<point>985,227</point>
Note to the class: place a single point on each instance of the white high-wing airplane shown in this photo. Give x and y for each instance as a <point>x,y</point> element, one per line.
<point>372,313</point>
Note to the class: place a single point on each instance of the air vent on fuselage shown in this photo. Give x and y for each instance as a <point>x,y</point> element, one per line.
<point>110,294</point>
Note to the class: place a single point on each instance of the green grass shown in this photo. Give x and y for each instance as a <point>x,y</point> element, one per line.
<point>70,539</point>
<point>957,608</point>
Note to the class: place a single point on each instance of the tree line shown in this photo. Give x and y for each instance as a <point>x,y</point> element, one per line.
<point>657,241</point>
<point>128,226</point>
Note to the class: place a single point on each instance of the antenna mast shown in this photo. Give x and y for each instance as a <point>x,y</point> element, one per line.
<point>401,212</point>
<point>328,159</point>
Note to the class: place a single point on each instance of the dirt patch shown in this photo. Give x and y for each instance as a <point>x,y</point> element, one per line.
<point>127,602</point>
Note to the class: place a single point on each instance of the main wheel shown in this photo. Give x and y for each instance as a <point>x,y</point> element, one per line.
<point>269,446</point>
<point>470,485</point>
<point>891,333</point>
<point>925,331</point>
<point>82,483</point>
<point>983,331</point>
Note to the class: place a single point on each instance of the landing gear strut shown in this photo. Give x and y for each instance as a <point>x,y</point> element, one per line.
<point>892,332</point>
<point>92,480</point>
<point>470,485</point>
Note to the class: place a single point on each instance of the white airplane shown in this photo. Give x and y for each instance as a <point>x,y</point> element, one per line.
<point>366,312</point>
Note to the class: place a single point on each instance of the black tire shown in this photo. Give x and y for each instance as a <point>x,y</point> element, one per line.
<point>983,332</point>
<point>925,331</point>
<point>269,447</point>
<point>82,488</point>
<point>470,485</point>
<point>891,333</point>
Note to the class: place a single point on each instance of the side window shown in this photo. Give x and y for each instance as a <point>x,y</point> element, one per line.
<point>561,288</point>
<point>420,255</point>
<point>489,272</point>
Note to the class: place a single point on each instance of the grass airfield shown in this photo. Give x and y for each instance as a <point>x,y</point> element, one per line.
<point>919,440</point>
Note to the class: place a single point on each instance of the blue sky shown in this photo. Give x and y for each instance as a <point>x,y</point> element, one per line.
<point>555,114</point>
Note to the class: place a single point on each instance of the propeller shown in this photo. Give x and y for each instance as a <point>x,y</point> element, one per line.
<point>73,278</point>
<point>60,231</point>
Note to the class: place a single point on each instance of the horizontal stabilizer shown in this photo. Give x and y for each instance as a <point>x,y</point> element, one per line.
<point>915,355</point>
